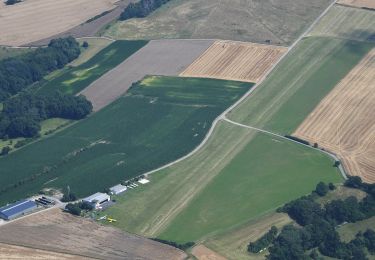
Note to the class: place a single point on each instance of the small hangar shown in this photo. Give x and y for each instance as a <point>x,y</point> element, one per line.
<point>17,209</point>
<point>97,199</point>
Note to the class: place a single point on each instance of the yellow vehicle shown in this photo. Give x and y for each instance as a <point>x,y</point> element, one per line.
<point>110,220</point>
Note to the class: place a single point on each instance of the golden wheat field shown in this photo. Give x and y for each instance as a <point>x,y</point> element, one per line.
<point>358,3</point>
<point>231,60</point>
<point>344,122</point>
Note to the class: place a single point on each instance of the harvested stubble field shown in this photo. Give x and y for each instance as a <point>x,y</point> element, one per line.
<point>279,22</point>
<point>159,57</point>
<point>59,232</point>
<point>73,79</point>
<point>11,252</point>
<point>299,82</point>
<point>344,121</point>
<point>347,23</point>
<point>159,120</point>
<point>224,184</point>
<point>358,3</point>
<point>235,61</point>
<point>33,20</point>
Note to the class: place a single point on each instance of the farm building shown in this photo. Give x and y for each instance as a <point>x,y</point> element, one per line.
<point>117,189</point>
<point>17,209</point>
<point>97,199</point>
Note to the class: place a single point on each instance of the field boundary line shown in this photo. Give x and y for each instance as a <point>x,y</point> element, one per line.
<point>246,95</point>
<point>333,156</point>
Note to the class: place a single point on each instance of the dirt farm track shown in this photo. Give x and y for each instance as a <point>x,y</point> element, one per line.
<point>34,20</point>
<point>344,121</point>
<point>55,231</point>
<point>235,61</point>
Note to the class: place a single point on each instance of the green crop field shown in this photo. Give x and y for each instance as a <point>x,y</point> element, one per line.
<point>74,79</point>
<point>157,121</point>
<point>299,82</point>
<point>202,202</point>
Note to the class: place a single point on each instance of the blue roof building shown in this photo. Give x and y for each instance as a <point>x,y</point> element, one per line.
<point>17,209</point>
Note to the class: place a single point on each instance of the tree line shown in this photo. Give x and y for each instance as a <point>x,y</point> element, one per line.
<point>317,226</point>
<point>18,72</point>
<point>141,9</point>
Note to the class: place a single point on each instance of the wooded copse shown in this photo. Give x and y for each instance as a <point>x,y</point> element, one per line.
<point>141,9</point>
<point>23,110</point>
<point>16,73</point>
<point>21,115</point>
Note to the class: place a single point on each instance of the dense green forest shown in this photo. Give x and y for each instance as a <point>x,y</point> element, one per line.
<point>23,110</point>
<point>316,230</point>
<point>16,73</point>
<point>141,9</point>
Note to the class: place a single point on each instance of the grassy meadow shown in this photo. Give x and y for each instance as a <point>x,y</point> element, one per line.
<point>159,120</point>
<point>75,78</point>
<point>207,199</point>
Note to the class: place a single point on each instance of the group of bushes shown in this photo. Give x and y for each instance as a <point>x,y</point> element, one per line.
<point>184,246</point>
<point>18,72</point>
<point>318,226</point>
<point>77,208</point>
<point>141,9</point>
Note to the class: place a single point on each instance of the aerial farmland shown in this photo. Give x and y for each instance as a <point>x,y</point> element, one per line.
<point>187,129</point>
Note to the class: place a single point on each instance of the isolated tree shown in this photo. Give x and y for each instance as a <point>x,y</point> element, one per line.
<point>85,44</point>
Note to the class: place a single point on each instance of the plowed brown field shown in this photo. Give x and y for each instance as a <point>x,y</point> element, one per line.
<point>344,121</point>
<point>19,253</point>
<point>54,231</point>
<point>235,61</point>
<point>33,20</point>
<point>358,3</point>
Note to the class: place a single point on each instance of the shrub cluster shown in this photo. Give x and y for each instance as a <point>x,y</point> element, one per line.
<point>263,242</point>
<point>184,246</point>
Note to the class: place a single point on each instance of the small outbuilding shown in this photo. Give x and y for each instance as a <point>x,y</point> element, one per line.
<point>117,189</point>
<point>97,199</point>
<point>17,209</point>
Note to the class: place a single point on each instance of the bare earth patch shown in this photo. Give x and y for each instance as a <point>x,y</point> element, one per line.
<point>33,20</point>
<point>159,57</point>
<point>235,61</point>
<point>344,121</point>
<point>60,232</point>
<point>19,253</point>
<point>358,3</point>
<point>203,253</point>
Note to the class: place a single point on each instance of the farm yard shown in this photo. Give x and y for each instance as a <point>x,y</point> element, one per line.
<point>224,184</point>
<point>59,232</point>
<point>358,3</point>
<point>48,18</point>
<point>235,61</point>
<point>299,82</point>
<point>344,121</point>
<point>276,22</point>
<point>159,120</point>
<point>74,79</point>
<point>162,57</point>
<point>347,23</point>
